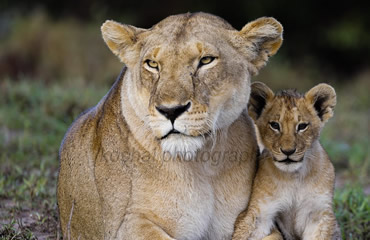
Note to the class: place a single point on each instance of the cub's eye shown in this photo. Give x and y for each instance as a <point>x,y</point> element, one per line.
<point>152,64</point>
<point>206,60</point>
<point>274,126</point>
<point>302,126</point>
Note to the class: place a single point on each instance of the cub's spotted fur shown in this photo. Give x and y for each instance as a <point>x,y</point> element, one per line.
<point>295,180</point>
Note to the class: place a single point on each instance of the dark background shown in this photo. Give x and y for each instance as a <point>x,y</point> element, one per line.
<point>335,35</point>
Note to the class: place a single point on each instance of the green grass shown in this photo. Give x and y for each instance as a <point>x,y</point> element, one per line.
<point>352,209</point>
<point>34,116</point>
<point>10,232</point>
<point>33,120</point>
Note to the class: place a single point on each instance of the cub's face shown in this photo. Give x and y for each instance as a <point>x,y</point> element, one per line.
<point>189,74</point>
<point>288,123</point>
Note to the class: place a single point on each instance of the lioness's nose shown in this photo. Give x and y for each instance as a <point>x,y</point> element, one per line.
<point>172,113</point>
<point>288,151</point>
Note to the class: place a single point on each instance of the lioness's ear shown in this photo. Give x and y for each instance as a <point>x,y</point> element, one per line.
<point>323,98</point>
<point>261,40</point>
<point>121,40</point>
<point>260,95</point>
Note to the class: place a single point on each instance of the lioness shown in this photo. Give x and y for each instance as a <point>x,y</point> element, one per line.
<point>295,178</point>
<point>140,164</point>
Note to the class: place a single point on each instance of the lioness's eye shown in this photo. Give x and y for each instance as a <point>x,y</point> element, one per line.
<point>152,64</point>
<point>206,60</point>
<point>275,126</point>
<point>302,126</point>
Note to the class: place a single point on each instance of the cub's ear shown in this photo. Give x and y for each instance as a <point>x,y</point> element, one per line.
<point>260,40</point>
<point>323,98</point>
<point>260,95</point>
<point>121,40</point>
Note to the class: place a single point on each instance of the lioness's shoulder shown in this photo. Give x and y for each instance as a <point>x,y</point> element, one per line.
<point>83,131</point>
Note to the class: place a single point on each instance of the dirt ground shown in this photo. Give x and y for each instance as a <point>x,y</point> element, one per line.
<point>22,221</point>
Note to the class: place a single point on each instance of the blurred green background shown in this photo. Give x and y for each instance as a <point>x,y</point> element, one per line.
<point>54,64</point>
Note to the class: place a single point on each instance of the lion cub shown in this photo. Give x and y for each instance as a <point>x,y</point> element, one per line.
<point>293,188</point>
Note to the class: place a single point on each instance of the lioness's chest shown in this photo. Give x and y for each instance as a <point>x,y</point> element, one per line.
<point>193,207</point>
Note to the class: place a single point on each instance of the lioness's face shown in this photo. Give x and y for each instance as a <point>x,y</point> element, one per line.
<point>189,77</point>
<point>288,123</point>
<point>191,85</point>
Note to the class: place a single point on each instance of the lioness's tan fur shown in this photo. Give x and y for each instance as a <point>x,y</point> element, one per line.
<point>125,176</point>
<point>297,195</point>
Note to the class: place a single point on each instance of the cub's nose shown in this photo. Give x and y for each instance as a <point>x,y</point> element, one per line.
<point>288,151</point>
<point>172,113</point>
